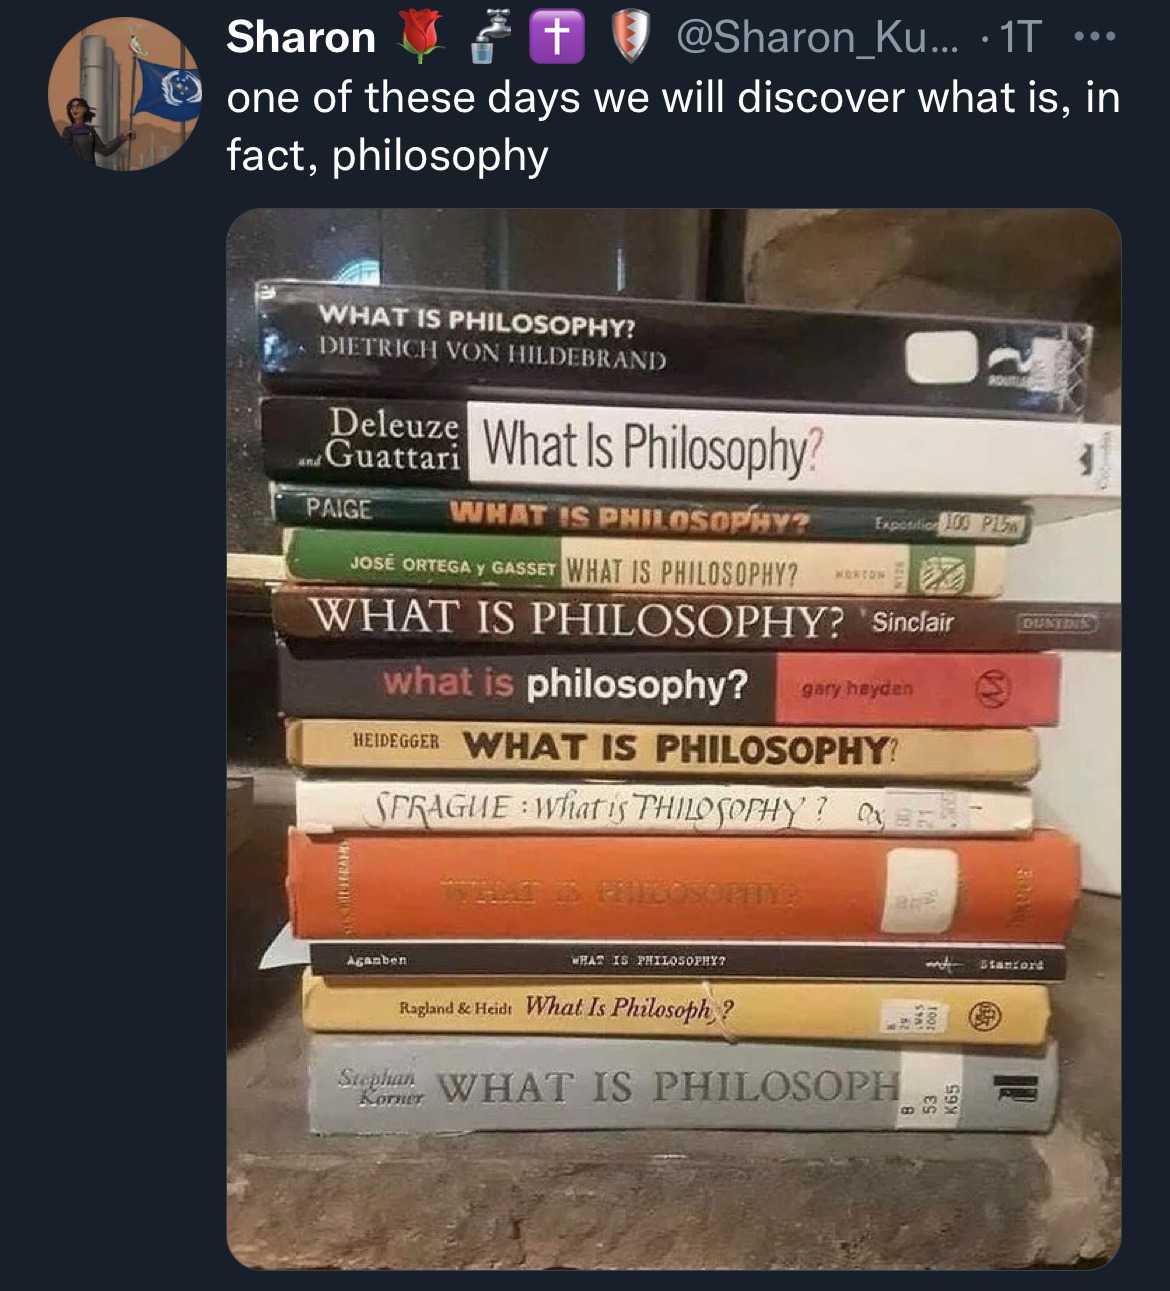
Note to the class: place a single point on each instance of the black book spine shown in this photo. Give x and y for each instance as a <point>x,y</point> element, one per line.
<point>576,620</point>
<point>702,687</point>
<point>408,510</point>
<point>458,342</point>
<point>403,441</point>
<point>852,961</point>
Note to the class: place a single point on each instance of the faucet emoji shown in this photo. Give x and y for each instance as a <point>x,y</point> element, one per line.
<point>497,29</point>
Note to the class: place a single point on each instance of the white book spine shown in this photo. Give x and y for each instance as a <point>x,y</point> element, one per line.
<point>585,446</point>
<point>619,807</point>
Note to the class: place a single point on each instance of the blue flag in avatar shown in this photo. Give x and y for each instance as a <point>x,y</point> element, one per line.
<point>174,93</point>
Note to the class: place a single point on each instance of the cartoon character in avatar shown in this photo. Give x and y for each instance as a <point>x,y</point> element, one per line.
<point>82,138</point>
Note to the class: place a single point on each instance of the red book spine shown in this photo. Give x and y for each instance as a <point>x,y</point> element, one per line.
<point>918,689</point>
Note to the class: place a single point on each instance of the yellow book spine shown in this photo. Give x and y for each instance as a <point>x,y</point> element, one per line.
<point>802,752</point>
<point>980,1013</point>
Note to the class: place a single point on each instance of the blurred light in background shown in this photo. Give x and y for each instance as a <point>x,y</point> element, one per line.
<point>367,272</point>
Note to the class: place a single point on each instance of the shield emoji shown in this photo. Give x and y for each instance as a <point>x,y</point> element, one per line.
<point>631,31</point>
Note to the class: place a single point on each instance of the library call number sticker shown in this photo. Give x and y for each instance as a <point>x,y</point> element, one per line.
<point>979,524</point>
<point>914,1017</point>
<point>930,1091</point>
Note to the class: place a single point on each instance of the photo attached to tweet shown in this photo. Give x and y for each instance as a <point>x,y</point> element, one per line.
<point>684,695</point>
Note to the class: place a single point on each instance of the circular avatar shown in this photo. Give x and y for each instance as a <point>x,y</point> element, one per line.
<point>124,94</point>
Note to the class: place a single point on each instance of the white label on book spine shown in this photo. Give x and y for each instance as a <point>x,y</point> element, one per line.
<point>976,526</point>
<point>927,811</point>
<point>914,1017</point>
<point>922,887</point>
<point>930,1090</point>
<point>942,358</point>
<point>593,446</point>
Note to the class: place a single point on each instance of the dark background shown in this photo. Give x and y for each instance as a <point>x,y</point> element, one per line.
<point>116,484</point>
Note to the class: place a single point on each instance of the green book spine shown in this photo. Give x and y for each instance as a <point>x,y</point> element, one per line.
<point>424,559</point>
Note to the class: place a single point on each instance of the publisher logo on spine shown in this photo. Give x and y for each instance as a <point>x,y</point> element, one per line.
<point>1082,624</point>
<point>1019,1089</point>
<point>1041,368</point>
<point>993,688</point>
<point>985,1016</point>
<point>939,573</point>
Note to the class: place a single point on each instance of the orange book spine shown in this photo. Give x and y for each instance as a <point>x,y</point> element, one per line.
<point>400,885</point>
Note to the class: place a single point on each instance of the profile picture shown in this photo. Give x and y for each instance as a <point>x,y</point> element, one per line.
<point>124,94</point>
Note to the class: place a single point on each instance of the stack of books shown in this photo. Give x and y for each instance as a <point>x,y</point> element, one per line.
<point>664,745</point>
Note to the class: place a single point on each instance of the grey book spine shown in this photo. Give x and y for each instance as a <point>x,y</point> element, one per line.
<point>406,1084</point>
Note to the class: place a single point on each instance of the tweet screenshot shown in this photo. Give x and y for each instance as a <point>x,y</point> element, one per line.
<point>668,462</point>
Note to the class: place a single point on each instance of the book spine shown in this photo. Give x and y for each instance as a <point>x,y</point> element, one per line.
<point>412,1084</point>
<point>655,807</point>
<point>843,961</point>
<point>984,1013</point>
<point>987,690</point>
<point>408,441</point>
<point>602,449</point>
<point>351,506</point>
<point>701,622</point>
<point>802,753</point>
<point>457,342</point>
<point>380,557</point>
<point>372,886</point>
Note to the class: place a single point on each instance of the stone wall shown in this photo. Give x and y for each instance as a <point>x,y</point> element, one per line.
<point>1058,264</point>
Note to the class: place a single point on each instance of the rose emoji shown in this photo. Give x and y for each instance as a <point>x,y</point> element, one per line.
<point>418,31</point>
